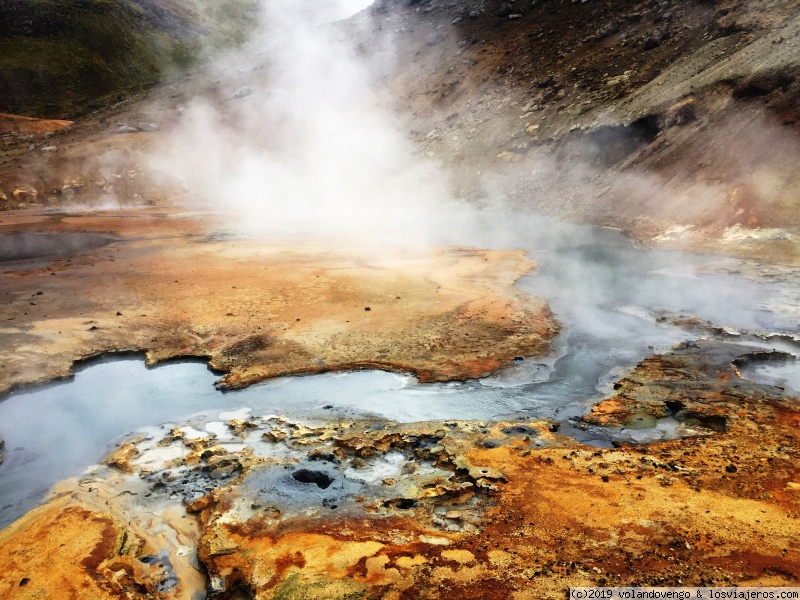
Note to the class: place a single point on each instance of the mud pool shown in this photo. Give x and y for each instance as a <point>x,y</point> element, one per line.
<point>23,246</point>
<point>607,293</point>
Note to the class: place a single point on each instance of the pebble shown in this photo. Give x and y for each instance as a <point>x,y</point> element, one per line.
<point>243,92</point>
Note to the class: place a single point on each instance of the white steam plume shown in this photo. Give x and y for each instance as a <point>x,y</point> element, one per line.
<point>295,139</point>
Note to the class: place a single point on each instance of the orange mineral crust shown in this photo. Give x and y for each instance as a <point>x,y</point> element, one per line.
<point>259,308</point>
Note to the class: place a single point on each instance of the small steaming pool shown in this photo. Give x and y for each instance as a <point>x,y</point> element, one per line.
<point>604,290</point>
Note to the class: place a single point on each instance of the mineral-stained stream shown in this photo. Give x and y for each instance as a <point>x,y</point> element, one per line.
<point>608,293</point>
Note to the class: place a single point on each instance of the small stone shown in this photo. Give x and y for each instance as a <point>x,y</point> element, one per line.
<point>123,458</point>
<point>240,427</point>
<point>243,92</point>
<point>127,129</point>
<point>650,43</point>
<point>437,37</point>
<point>274,435</point>
<point>222,472</point>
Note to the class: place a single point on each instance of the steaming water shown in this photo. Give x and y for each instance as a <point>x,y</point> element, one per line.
<point>605,291</point>
<point>785,374</point>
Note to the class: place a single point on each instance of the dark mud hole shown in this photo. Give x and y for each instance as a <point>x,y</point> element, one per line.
<point>22,246</point>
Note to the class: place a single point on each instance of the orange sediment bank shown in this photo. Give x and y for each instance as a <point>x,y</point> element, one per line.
<point>20,124</point>
<point>259,308</point>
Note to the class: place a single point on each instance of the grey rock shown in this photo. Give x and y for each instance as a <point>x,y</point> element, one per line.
<point>68,192</point>
<point>437,37</point>
<point>127,129</point>
<point>651,42</point>
<point>243,92</point>
<point>147,127</point>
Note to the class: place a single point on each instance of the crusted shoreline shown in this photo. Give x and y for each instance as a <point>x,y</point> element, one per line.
<point>259,308</point>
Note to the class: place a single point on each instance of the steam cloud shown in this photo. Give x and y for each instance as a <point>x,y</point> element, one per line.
<point>295,139</point>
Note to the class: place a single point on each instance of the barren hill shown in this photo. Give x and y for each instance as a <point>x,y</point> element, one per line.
<point>669,119</point>
<point>675,121</point>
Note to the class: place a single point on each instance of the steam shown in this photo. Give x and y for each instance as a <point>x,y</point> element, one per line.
<point>295,140</point>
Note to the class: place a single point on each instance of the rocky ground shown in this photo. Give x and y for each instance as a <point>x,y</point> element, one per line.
<point>675,121</point>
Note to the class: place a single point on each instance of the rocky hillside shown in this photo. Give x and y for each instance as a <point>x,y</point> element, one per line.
<point>61,58</point>
<point>675,120</point>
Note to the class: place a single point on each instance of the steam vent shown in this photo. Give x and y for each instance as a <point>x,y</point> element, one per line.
<point>401,299</point>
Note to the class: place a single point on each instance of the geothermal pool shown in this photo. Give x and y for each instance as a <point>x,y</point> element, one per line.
<point>606,292</point>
